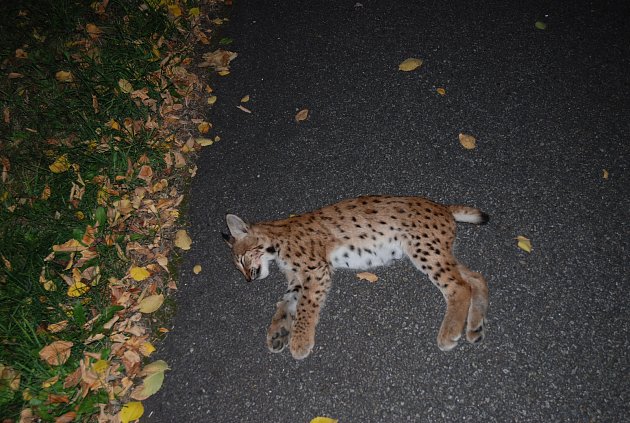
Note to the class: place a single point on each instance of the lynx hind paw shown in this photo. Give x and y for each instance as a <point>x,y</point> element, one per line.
<point>476,334</point>
<point>300,349</point>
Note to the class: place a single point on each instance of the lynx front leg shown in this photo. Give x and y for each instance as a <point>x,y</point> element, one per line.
<point>309,305</point>
<point>279,332</point>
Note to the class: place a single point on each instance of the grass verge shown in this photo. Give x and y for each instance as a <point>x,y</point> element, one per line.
<point>91,154</point>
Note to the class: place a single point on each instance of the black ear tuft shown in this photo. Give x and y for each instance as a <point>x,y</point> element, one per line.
<point>227,238</point>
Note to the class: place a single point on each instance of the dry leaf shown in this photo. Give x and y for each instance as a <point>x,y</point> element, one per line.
<point>441,91</point>
<point>367,276</point>
<point>146,173</point>
<point>467,141</point>
<point>131,411</point>
<point>146,349</point>
<point>56,353</point>
<point>77,289</point>
<point>125,86</point>
<point>60,165</point>
<point>524,243</point>
<point>57,327</point>
<point>212,99</point>
<point>197,269</point>
<point>324,420</point>
<point>410,64</point>
<point>67,417</point>
<point>204,127</point>
<point>301,115</point>
<point>245,99</point>
<point>151,303</point>
<point>204,142</point>
<point>64,76</point>
<point>605,174</point>
<point>139,273</point>
<point>245,109</point>
<point>93,31</point>
<point>182,240</point>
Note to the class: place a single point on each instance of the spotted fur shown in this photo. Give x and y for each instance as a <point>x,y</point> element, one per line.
<point>360,233</point>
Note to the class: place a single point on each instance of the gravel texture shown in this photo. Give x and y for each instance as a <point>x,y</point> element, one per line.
<point>550,110</point>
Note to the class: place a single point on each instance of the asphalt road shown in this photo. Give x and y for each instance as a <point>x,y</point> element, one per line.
<point>550,110</point>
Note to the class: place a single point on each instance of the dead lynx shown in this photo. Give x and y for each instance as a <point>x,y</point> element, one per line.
<point>360,233</point>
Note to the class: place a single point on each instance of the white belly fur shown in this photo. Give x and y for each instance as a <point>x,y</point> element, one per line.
<point>363,258</point>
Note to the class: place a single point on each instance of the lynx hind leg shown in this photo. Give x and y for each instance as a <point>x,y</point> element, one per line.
<point>475,327</point>
<point>279,332</point>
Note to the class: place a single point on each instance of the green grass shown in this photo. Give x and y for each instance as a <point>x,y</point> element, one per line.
<point>43,119</point>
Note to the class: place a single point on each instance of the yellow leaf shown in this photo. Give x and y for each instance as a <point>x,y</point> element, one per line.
<point>131,411</point>
<point>57,327</point>
<point>212,99</point>
<point>50,382</point>
<point>605,174</point>
<point>204,127</point>
<point>301,115</point>
<point>197,269</point>
<point>146,349</point>
<point>410,64</point>
<point>60,165</point>
<point>64,76</point>
<point>156,366</point>
<point>77,289</point>
<point>324,420</point>
<point>245,99</point>
<point>93,31</point>
<point>441,91</point>
<point>151,303</point>
<point>45,193</point>
<point>367,276</point>
<point>194,11</point>
<point>174,10</point>
<point>224,72</point>
<point>182,240</point>
<point>100,366</point>
<point>125,86</point>
<point>139,273</point>
<point>524,243</point>
<point>467,141</point>
<point>113,124</point>
<point>204,142</point>
<point>150,385</point>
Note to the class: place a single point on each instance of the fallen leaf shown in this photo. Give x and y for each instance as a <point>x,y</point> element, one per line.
<point>156,366</point>
<point>100,366</point>
<point>77,289</point>
<point>146,349</point>
<point>367,276</point>
<point>212,99</point>
<point>125,86</point>
<point>204,142</point>
<point>151,303</point>
<point>301,115</point>
<point>467,141</point>
<point>441,91</point>
<point>245,99</point>
<point>245,109</point>
<point>56,353</point>
<point>139,273</point>
<point>540,25</point>
<point>150,385</point>
<point>174,10</point>
<point>93,31</point>
<point>146,173</point>
<point>197,269</point>
<point>524,243</point>
<point>45,193</point>
<point>605,174</point>
<point>60,165</point>
<point>410,64</point>
<point>50,382</point>
<point>131,411</point>
<point>204,127</point>
<point>57,327</point>
<point>67,417</point>
<point>64,76</point>
<point>182,240</point>
<point>324,420</point>
<point>224,73</point>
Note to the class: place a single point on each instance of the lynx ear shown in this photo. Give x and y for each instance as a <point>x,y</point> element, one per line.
<point>237,227</point>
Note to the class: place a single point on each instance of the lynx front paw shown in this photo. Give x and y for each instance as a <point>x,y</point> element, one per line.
<point>279,333</point>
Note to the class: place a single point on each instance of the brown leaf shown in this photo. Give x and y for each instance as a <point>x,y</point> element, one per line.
<point>66,418</point>
<point>467,141</point>
<point>56,353</point>
<point>146,173</point>
<point>367,276</point>
<point>301,115</point>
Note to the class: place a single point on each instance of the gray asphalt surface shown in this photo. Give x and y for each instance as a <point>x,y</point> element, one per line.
<point>550,109</point>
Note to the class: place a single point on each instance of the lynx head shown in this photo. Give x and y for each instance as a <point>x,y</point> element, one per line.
<point>250,252</point>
